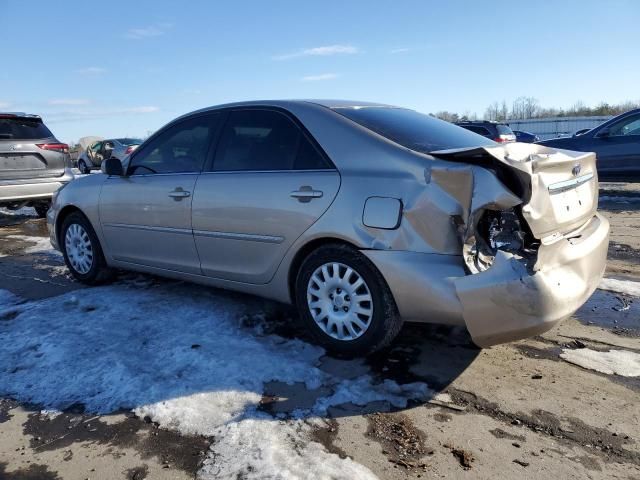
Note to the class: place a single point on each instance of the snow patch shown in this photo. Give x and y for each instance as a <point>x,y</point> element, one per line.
<point>24,212</point>
<point>627,287</point>
<point>613,362</point>
<point>181,355</point>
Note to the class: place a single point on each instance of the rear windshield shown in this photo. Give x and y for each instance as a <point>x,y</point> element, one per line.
<point>129,141</point>
<point>414,130</point>
<point>504,129</point>
<point>23,129</point>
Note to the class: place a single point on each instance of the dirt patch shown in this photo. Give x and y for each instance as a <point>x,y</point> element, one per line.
<point>32,472</point>
<point>499,433</point>
<point>326,436</point>
<point>6,405</point>
<point>402,442</point>
<point>180,451</point>
<point>138,473</point>
<point>606,444</point>
<point>465,457</point>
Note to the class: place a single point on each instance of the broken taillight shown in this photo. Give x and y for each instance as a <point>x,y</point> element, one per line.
<point>56,147</point>
<point>129,149</point>
<point>498,230</point>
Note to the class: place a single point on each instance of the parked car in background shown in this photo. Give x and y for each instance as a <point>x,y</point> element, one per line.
<point>357,215</point>
<point>33,163</point>
<point>496,131</point>
<point>525,137</point>
<point>98,151</point>
<point>616,144</point>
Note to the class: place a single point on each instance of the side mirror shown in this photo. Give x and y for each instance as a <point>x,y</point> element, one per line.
<point>112,166</point>
<point>604,133</point>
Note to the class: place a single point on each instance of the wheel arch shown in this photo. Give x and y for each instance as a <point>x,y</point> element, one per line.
<point>62,215</point>
<point>304,252</point>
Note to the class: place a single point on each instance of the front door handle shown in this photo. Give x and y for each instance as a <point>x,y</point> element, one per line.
<point>305,194</point>
<point>178,194</point>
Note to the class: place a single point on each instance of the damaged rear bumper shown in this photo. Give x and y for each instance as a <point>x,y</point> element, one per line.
<point>507,302</point>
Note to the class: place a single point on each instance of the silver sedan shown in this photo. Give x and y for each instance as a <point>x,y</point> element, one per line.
<point>362,215</point>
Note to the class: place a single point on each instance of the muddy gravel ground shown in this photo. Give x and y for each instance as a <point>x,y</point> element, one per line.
<point>511,411</point>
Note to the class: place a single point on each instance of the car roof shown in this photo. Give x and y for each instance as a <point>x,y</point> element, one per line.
<point>286,104</point>
<point>21,115</point>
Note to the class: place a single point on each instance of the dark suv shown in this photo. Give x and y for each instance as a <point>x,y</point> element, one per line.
<point>33,163</point>
<point>498,132</point>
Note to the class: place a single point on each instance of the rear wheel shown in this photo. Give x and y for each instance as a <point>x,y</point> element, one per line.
<point>82,166</point>
<point>82,252</point>
<point>42,208</point>
<point>344,302</point>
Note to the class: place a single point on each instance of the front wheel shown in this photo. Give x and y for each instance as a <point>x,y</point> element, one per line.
<point>344,302</point>
<point>82,252</point>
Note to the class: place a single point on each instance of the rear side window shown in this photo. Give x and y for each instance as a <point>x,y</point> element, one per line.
<point>181,148</point>
<point>504,129</point>
<point>264,140</point>
<point>23,129</point>
<point>413,130</point>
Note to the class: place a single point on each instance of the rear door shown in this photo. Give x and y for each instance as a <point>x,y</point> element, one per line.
<point>146,215</point>
<point>269,182</point>
<point>24,153</point>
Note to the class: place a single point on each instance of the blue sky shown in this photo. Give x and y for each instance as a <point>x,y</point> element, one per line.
<point>125,68</point>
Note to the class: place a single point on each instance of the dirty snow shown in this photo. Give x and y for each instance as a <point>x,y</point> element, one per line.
<point>24,211</point>
<point>627,287</point>
<point>613,362</point>
<point>40,244</point>
<point>181,355</point>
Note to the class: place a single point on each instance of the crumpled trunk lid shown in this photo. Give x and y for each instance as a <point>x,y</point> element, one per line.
<point>558,188</point>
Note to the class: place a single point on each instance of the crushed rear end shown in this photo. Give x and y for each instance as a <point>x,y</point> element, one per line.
<point>533,244</point>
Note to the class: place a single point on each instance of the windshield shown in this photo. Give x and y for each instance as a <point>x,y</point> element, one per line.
<point>129,141</point>
<point>413,130</point>
<point>23,129</point>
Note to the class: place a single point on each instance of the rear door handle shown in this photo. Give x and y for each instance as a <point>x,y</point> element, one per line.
<point>305,194</point>
<point>178,194</point>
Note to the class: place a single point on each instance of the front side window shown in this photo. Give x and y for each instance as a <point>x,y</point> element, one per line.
<point>628,126</point>
<point>413,130</point>
<point>181,148</point>
<point>261,140</point>
<point>96,147</point>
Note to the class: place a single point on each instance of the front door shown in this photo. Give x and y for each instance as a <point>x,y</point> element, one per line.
<point>146,214</point>
<point>269,183</point>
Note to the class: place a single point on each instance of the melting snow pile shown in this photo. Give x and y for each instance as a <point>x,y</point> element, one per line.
<point>181,355</point>
<point>613,362</point>
<point>627,287</point>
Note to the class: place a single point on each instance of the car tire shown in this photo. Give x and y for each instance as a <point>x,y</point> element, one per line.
<point>42,209</point>
<point>340,293</point>
<point>82,251</point>
<point>82,166</point>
